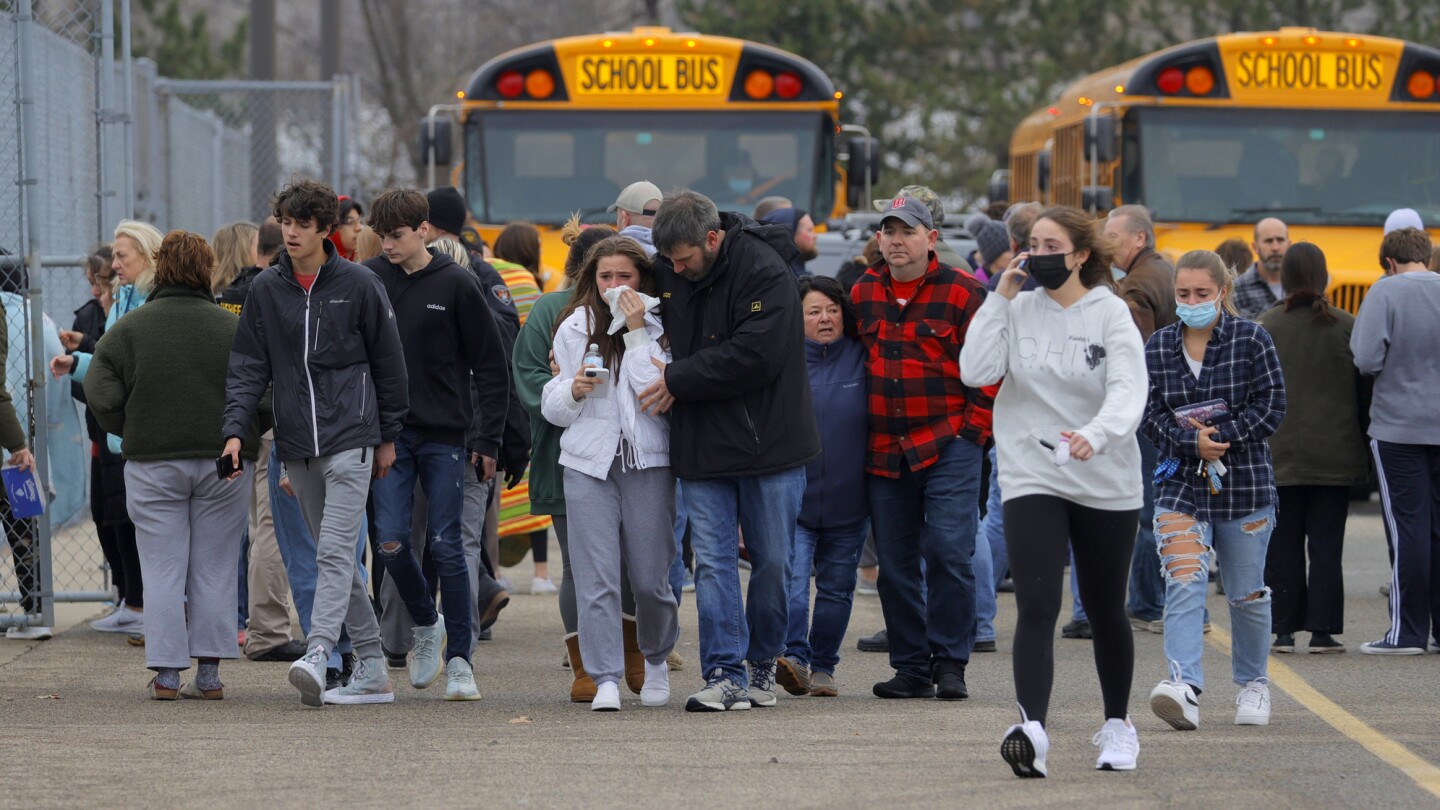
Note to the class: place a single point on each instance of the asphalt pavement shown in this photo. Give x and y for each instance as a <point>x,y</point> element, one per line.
<point>1347,731</point>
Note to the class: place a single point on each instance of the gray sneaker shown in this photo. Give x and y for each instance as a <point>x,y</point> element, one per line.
<point>308,675</point>
<point>793,674</point>
<point>429,647</point>
<point>369,683</point>
<point>719,695</point>
<point>460,680</point>
<point>762,684</point>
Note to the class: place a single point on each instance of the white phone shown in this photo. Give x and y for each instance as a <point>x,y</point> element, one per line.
<point>601,376</point>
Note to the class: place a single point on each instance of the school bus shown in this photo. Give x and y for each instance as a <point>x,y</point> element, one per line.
<point>1327,131</point>
<point>564,125</point>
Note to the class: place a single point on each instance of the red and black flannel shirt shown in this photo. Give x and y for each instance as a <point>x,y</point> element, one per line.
<point>917,402</point>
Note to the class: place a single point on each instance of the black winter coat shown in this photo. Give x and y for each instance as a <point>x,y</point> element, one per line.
<point>739,380</point>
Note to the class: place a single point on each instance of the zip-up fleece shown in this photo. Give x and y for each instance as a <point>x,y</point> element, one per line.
<point>333,353</point>
<point>448,334</point>
<point>835,492</point>
<point>742,395</point>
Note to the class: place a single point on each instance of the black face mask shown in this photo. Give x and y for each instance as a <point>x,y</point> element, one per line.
<point>1048,269</point>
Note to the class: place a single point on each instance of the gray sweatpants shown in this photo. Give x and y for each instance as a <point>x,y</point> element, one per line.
<point>629,515</point>
<point>188,528</point>
<point>332,491</point>
<point>396,626</point>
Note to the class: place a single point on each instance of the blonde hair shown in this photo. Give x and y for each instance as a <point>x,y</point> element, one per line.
<point>232,253</point>
<point>454,250</point>
<point>147,238</point>
<point>1220,273</point>
<point>367,244</point>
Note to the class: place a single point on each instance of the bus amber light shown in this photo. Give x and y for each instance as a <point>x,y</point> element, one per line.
<point>1421,84</point>
<point>788,85</point>
<point>510,84</point>
<point>540,84</point>
<point>1170,81</point>
<point>759,84</point>
<point>1312,40</point>
<point>1200,81</point>
<point>1352,42</point>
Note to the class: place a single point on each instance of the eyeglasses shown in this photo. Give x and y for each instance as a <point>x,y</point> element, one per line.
<point>351,221</point>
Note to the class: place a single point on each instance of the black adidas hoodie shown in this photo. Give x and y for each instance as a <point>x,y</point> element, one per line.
<point>448,334</point>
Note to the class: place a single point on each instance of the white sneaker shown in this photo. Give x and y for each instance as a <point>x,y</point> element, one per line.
<point>308,675</point>
<point>369,683</point>
<point>428,652</point>
<point>123,620</point>
<point>1024,747</point>
<point>460,680</point>
<point>31,633</point>
<point>1119,745</point>
<point>1253,704</point>
<point>1175,702</point>
<point>607,697</point>
<point>656,691</point>
<point>542,585</point>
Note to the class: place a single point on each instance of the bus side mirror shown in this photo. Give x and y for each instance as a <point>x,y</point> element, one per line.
<point>439,142</point>
<point>1097,198</point>
<point>999,186</point>
<point>1101,143</point>
<point>1042,170</point>
<point>862,169</point>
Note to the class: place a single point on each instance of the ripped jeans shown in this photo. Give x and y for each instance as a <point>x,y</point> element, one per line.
<point>1185,545</point>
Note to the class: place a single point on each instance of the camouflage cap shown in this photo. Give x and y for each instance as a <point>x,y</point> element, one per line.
<point>922,193</point>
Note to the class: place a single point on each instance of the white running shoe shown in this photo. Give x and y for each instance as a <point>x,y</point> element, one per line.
<point>1253,704</point>
<point>369,683</point>
<point>460,680</point>
<point>123,620</point>
<point>30,633</point>
<point>1119,745</point>
<point>308,675</point>
<point>656,691</point>
<point>1024,747</point>
<point>428,653</point>
<point>1175,702</point>
<point>607,697</point>
<point>542,585</point>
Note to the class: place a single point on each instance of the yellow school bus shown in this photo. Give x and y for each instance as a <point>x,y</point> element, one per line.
<point>1329,132</point>
<point>564,125</point>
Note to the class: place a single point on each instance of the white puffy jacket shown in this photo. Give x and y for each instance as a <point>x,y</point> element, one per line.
<point>594,426</point>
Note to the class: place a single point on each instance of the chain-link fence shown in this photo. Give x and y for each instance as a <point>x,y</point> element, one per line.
<point>89,137</point>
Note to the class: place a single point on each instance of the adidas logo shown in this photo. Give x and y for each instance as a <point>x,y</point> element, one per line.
<point>435,307</point>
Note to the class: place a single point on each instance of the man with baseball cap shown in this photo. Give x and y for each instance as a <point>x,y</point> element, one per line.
<point>635,211</point>
<point>927,435</point>
<point>931,200</point>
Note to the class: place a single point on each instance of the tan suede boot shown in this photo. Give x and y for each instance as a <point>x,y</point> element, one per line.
<point>634,659</point>
<point>583,689</point>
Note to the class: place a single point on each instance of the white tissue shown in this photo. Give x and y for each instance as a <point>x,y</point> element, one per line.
<point>617,318</point>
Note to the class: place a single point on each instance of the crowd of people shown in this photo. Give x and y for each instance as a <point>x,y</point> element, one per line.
<point>372,379</point>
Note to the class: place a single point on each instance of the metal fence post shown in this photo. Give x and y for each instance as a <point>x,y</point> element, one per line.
<point>104,114</point>
<point>127,199</point>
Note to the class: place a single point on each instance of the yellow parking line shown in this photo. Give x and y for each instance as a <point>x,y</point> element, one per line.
<point>1424,774</point>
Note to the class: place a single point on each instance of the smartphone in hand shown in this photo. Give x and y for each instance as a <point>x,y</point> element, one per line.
<point>224,468</point>
<point>599,375</point>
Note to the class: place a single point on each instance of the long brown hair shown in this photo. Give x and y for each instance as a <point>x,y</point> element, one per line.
<point>1085,234</point>
<point>587,293</point>
<point>520,243</point>
<point>1303,277</point>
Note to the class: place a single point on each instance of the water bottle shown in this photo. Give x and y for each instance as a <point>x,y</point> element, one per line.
<point>593,359</point>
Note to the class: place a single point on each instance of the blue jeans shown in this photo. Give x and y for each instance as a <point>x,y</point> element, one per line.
<point>766,508</point>
<point>1147,584</point>
<point>440,469</point>
<point>992,558</point>
<point>930,515</point>
<point>243,591</point>
<point>834,554</point>
<point>1242,545</point>
<point>297,551</point>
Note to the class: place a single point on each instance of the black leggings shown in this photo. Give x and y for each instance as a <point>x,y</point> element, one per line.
<point>1038,531</point>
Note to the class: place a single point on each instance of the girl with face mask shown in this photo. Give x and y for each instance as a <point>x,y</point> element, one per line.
<point>1069,465</point>
<point>1214,485</point>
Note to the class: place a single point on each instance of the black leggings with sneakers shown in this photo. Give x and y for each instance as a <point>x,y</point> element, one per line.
<point>1039,529</point>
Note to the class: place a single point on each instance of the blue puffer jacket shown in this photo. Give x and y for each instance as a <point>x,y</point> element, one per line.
<point>835,481</point>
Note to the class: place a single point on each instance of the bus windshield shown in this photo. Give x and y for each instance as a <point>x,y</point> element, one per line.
<point>1310,167</point>
<point>541,166</point>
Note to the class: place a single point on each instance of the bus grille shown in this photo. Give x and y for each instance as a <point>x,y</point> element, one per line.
<point>1349,296</point>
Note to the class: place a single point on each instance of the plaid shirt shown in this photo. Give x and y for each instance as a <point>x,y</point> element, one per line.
<point>1253,294</point>
<point>1242,368</point>
<point>917,402</point>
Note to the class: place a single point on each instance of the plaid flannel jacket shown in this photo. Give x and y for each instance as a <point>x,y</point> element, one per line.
<point>917,402</point>
<point>1252,295</point>
<point>1242,368</point>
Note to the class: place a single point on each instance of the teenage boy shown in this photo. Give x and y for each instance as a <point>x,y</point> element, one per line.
<point>448,335</point>
<point>321,330</point>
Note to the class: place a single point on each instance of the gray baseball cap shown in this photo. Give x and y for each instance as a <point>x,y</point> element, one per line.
<point>910,211</point>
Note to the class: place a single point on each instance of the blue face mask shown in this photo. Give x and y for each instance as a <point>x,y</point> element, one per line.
<point>740,186</point>
<point>1198,316</point>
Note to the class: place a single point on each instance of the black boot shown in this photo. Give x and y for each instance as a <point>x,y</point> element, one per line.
<point>949,680</point>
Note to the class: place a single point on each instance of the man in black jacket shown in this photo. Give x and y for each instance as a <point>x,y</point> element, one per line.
<point>448,335</point>
<point>741,430</point>
<point>321,329</point>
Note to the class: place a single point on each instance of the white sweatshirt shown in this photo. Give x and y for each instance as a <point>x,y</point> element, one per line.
<point>1081,369</point>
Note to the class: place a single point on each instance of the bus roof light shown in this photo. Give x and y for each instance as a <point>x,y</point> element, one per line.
<point>1312,40</point>
<point>460,94</point>
<point>1119,89</point>
<point>690,43</point>
<point>1353,42</point>
<point>1199,80</point>
<point>510,84</point>
<point>788,85</point>
<point>609,43</point>
<point>540,84</point>
<point>759,84</point>
<point>1170,81</point>
<point>1268,41</point>
<point>1421,85</point>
